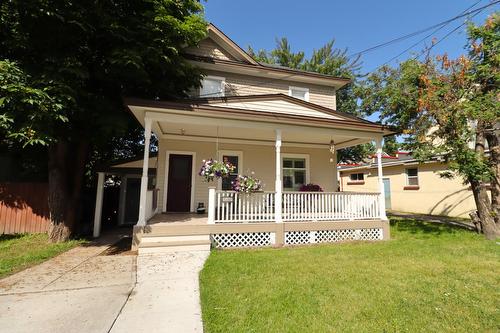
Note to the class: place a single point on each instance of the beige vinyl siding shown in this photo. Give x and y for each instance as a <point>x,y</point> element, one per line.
<point>256,158</point>
<point>278,106</point>
<point>241,85</point>
<point>208,48</point>
<point>436,195</point>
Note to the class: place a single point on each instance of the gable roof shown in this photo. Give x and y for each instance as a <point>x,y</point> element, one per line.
<point>228,54</point>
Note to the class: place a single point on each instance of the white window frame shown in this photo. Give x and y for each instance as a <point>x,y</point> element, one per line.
<point>308,167</point>
<point>222,85</point>
<point>306,90</point>
<point>408,177</point>
<point>238,153</point>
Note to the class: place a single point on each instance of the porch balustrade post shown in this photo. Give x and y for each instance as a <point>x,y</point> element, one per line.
<point>144,178</point>
<point>278,182</point>
<point>98,204</point>
<point>211,205</point>
<point>383,215</point>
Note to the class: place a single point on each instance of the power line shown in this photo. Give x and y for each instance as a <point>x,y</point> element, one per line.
<point>395,40</point>
<point>439,25</point>
<point>427,36</point>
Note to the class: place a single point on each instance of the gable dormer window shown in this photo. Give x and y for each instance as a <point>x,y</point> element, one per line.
<point>212,86</point>
<point>299,92</point>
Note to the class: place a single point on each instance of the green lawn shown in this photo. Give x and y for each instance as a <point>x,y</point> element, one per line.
<point>18,252</point>
<point>428,278</point>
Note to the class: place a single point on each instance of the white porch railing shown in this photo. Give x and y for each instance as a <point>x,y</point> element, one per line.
<point>330,206</point>
<point>234,207</point>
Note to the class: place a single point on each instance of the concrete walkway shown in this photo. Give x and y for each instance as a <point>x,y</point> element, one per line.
<point>88,290</point>
<point>166,296</point>
<point>77,291</point>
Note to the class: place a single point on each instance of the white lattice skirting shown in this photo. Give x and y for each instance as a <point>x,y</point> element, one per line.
<point>244,239</point>
<point>261,239</point>
<point>329,236</point>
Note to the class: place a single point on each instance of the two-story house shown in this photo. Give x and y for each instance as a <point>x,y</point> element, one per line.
<point>276,123</point>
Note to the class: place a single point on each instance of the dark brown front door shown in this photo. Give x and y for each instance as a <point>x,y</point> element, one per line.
<point>179,183</point>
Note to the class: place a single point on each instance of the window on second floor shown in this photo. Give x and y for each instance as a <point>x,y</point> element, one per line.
<point>212,86</point>
<point>300,93</point>
<point>412,176</point>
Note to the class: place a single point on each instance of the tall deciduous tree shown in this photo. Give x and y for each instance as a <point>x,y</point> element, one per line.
<point>67,64</point>
<point>451,108</point>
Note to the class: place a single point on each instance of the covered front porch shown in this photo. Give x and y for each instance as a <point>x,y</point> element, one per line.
<point>283,150</point>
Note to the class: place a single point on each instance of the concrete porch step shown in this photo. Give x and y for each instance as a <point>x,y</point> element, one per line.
<point>174,246</point>
<point>160,237</point>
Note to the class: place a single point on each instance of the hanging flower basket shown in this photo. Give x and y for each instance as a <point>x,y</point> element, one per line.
<point>247,184</point>
<point>211,169</point>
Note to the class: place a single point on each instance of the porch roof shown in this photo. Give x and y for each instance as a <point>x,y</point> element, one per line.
<point>227,118</point>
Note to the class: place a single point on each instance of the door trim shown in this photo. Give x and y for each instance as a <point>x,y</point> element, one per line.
<point>193,175</point>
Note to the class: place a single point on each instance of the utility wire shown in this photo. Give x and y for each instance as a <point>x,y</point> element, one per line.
<point>395,40</point>
<point>439,25</point>
<point>427,36</point>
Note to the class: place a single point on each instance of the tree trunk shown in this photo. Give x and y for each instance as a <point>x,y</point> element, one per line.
<point>483,204</point>
<point>66,169</point>
<point>492,137</point>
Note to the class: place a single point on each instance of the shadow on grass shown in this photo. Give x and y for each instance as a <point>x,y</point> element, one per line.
<point>6,237</point>
<point>413,226</point>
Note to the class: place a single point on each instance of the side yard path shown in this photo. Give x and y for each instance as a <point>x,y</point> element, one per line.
<point>81,290</point>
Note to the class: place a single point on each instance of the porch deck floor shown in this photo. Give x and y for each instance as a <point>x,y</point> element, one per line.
<point>179,219</point>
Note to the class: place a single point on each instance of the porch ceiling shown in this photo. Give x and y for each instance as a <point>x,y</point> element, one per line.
<point>185,131</point>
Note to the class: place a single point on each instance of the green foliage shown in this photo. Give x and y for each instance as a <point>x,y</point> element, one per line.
<point>26,111</point>
<point>443,104</point>
<point>67,64</point>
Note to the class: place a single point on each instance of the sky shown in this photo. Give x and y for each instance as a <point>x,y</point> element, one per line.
<point>355,24</point>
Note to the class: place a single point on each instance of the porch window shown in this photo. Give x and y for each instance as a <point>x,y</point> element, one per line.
<point>300,93</point>
<point>294,173</point>
<point>212,86</point>
<point>412,176</point>
<point>226,183</point>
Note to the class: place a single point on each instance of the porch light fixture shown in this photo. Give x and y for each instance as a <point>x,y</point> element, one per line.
<point>183,131</point>
<point>332,147</point>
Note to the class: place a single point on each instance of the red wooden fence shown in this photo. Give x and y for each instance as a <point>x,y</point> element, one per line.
<point>23,208</point>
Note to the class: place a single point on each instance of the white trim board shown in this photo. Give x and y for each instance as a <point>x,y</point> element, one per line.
<point>193,177</point>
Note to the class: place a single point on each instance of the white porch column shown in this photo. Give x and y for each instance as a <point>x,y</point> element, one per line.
<point>383,216</point>
<point>98,204</point>
<point>144,179</point>
<point>278,182</point>
<point>211,205</point>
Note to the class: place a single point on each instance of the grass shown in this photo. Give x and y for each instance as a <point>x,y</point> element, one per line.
<point>428,278</point>
<point>21,251</point>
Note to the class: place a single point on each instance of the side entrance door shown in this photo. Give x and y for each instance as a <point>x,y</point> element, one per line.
<point>179,183</point>
<point>132,197</point>
<point>387,192</point>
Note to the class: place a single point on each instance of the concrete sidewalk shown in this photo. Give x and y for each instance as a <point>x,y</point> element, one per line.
<point>88,290</point>
<point>77,291</point>
<point>166,296</point>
